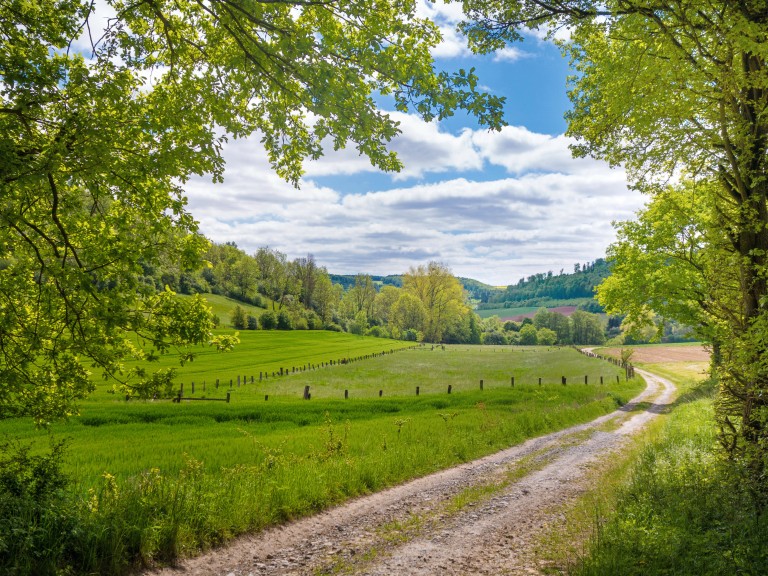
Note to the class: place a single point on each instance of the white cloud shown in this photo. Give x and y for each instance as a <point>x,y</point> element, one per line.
<point>421,146</point>
<point>510,54</point>
<point>550,212</point>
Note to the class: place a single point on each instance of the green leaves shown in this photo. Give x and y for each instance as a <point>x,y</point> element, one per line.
<point>102,121</point>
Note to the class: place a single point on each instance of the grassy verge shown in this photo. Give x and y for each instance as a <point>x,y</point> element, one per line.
<point>669,506</point>
<point>153,481</point>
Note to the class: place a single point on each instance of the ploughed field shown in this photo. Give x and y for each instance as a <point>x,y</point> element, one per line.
<point>159,479</point>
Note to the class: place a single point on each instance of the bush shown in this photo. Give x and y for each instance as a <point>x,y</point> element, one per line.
<point>36,521</point>
<point>253,322</point>
<point>377,332</point>
<point>411,335</point>
<point>494,338</point>
<point>300,324</point>
<point>333,327</point>
<point>268,320</point>
<point>314,322</point>
<point>284,321</point>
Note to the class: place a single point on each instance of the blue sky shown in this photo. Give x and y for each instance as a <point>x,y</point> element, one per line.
<point>491,206</point>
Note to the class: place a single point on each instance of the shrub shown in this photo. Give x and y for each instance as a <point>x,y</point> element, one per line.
<point>35,519</point>
<point>268,320</point>
<point>284,321</point>
<point>377,332</point>
<point>494,338</point>
<point>411,335</point>
<point>314,322</point>
<point>333,327</point>
<point>253,322</point>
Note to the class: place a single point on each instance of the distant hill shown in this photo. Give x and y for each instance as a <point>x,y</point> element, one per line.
<point>550,290</point>
<point>478,291</point>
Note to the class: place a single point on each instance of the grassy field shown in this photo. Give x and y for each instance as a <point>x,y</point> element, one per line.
<point>153,480</point>
<point>222,307</point>
<point>264,351</point>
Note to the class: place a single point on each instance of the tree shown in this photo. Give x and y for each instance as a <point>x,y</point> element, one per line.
<point>383,303</point>
<point>528,335</point>
<point>103,120</point>
<point>669,262</point>
<point>308,274</point>
<point>586,328</point>
<point>238,318</point>
<point>441,294</point>
<point>360,297</point>
<point>408,313</point>
<point>546,337</point>
<point>327,296</point>
<point>277,279</point>
<point>670,88</point>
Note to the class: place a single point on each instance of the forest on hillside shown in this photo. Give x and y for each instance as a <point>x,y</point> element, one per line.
<point>543,288</point>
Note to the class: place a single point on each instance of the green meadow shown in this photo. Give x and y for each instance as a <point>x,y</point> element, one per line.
<point>154,480</point>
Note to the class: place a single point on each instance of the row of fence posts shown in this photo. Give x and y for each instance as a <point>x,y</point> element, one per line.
<point>563,380</point>
<point>283,371</point>
<point>629,373</point>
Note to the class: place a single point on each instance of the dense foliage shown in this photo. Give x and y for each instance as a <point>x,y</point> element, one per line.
<point>543,288</point>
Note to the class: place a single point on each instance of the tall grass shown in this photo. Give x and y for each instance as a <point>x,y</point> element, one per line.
<point>684,510</point>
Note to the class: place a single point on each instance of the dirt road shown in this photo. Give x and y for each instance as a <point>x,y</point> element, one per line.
<point>479,518</point>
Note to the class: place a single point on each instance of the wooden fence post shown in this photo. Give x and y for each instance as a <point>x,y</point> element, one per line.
<point>417,390</point>
<point>306,392</point>
<point>228,393</point>
<point>346,394</point>
<point>449,388</point>
<point>481,384</point>
<point>513,381</point>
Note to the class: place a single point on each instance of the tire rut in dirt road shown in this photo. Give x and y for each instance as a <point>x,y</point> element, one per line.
<point>478,518</point>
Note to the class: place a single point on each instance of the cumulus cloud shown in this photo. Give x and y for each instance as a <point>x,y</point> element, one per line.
<point>422,147</point>
<point>549,212</point>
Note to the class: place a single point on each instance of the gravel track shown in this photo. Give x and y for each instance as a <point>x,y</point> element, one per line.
<point>438,524</point>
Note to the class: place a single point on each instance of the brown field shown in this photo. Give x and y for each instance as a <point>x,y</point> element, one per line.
<point>655,354</point>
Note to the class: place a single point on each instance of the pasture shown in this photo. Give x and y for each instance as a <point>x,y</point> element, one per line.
<point>200,472</point>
